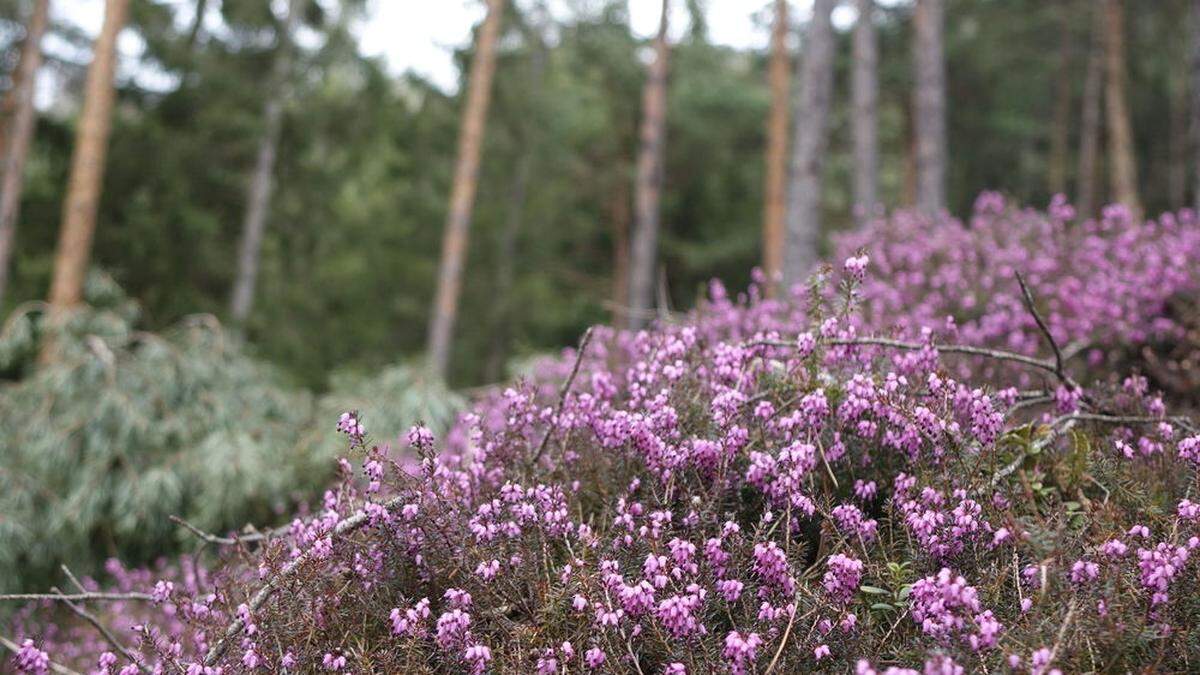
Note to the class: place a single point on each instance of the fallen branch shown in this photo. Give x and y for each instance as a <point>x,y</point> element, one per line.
<point>210,538</point>
<point>997,354</point>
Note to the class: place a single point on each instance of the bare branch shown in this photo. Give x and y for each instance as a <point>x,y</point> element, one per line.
<point>112,639</point>
<point>78,597</point>
<point>997,354</point>
<point>209,538</point>
<point>562,395</point>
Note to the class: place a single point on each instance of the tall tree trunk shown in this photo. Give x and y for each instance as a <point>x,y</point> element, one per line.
<point>1056,177</point>
<point>462,194</point>
<point>648,188</point>
<point>1177,151</point>
<point>929,103</point>
<point>1122,162</point>
<point>1089,127</point>
<point>618,213</point>
<point>775,208</point>
<point>866,111</point>
<point>1195,100</point>
<point>258,194</point>
<point>87,176</point>
<point>811,139</point>
<point>18,133</point>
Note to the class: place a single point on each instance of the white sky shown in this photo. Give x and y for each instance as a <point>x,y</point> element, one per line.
<point>421,35</point>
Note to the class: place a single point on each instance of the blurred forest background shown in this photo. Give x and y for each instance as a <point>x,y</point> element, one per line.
<point>365,162</point>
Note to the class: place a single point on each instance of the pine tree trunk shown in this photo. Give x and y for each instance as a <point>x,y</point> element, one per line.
<point>929,105</point>
<point>1177,149</point>
<point>462,194</point>
<point>775,207</point>
<point>258,194</point>
<point>866,112</point>
<point>1089,127</point>
<point>811,139</point>
<point>18,133</point>
<point>648,186</point>
<point>1122,162</point>
<point>618,213</point>
<point>1056,177</point>
<point>1195,101</point>
<point>87,175</point>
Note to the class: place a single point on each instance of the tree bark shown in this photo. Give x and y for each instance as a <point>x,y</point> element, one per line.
<point>648,186</point>
<point>618,213</point>
<point>775,208</point>
<point>87,174</point>
<point>866,112</point>
<point>462,194</point>
<point>929,104</point>
<point>811,139</point>
<point>1195,101</point>
<point>1122,162</point>
<point>1089,127</point>
<point>18,133</point>
<point>258,194</point>
<point>1177,151</point>
<point>1056,178</point>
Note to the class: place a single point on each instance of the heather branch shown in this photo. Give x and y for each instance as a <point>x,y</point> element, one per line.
<point>344,526</point>
<point>562,395</point>
<point>1041,324</point>
<point>210,538</point>
<point>16,648</point>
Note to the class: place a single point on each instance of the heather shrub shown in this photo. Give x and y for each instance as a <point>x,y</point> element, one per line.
<point>1107,287</point>
<point>760,486</point>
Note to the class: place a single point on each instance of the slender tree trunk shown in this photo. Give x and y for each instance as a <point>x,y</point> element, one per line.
<point>197,26</point>
<point>1177,151</point>
<point>1195,101</point>
<point>1122,162</point>
<point>618,213</point>
<point>775,208</point>
<point>1061,130</point>
<point>258,194</point>
<point>462,194</point>
<point>1089,127</point>
<point>909,198</point>
<point>648,188</point>
<point>866,112</point>
<point>18,134</point>
<point>929,103</point>
<point>87,176</point>
<point>811,139</point>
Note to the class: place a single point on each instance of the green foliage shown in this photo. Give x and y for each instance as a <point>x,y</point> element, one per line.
<point>131,427</point>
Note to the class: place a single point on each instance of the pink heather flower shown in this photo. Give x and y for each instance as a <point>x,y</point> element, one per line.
<point>332,662</point>
<point>741,651</point>
<point>1026,603</point>
<point>350,425</point>
<point>865,491</point>
<point>162,591</point>
<point>730,589</point>
<point>452,628</point>
<point>678,615</point>
<point>579,603</point>
<point>1139,531</point>
<point>478,655</point>
<point>842,577</point>
<point>856,266</point>
<point>1189,510</point>
<point>488,570</point>
<point>594,658</point>
<point>420,437</point>
<point>675,668</point>
<point>250,659</point>
<point>1083,571</point>
<point>1114,548</point>
<point>821,652</point>
<point>30,659</point>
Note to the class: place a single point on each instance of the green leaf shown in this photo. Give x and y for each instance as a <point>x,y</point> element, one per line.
<point>874,590</point>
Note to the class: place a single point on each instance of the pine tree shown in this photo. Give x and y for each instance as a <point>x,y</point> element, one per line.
<point>866,110</point>
<point>1121,161</point>
<point>929,105</point>
<point>775,209</point>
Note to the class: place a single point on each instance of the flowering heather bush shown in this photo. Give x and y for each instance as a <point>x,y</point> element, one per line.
<point>756,488</point>
<point>1105,286</point>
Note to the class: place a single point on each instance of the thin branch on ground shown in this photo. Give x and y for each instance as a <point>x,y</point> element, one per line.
<point>210,538</point>
<point>78,597</point>
<point>997,354</point>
